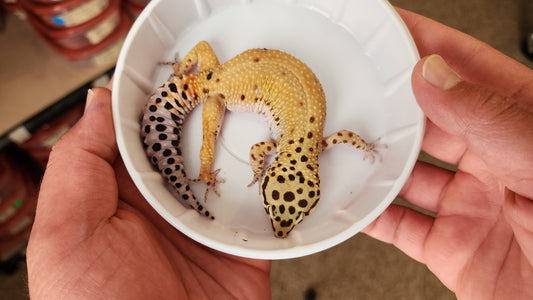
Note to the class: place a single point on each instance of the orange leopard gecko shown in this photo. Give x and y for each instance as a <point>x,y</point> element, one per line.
<point>269,82</point>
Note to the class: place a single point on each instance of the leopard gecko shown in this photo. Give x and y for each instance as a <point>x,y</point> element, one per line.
<point>268,82</point>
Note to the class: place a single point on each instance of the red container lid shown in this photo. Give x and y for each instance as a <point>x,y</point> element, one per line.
<point>136,8</point>
<point>79,54</point>
<point>50,9</point>
<point>63,32</point>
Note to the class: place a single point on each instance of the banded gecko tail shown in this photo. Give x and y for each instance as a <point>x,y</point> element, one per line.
<point>161,127</point>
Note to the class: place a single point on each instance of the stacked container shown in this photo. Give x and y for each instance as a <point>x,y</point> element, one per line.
<point>81,30</point>
<point>135,7</point>
<point>18,199</point>
<point>40,144</point>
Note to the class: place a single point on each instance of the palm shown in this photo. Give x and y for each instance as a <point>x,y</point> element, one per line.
<point>480,241</point>
<point>95,236</point>
<point>471,246</point>
<point>135,254</point>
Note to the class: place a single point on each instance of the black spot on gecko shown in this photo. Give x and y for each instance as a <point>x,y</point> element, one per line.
<point>209,75</point>
<point>309,134</point>
<point>304,158</point>
<point>158,100</point>
<point>206,91</point>
<point>243,97</point>
<point>311,194</point>
<point>173,87</point>
<point>312,119</point>
<point>302,203</point>
<point>185,87</point>
<point>168,105</point>
<point>183,95</point>
<point>298,150</point>
<point>275,195</point>
<point>160,127</point>
<point>162,136</point>
<point>174,116</point>
<point>164,94</point>
<point>147,129</point>
<point>152,108</point>
<point>156,147</point>
<point>292,210</point>
<point>300,190</point>
<point>282,208</point>
<point>288,196</point>
<point>171,161</point>
<point>168,171</point>
<point>167,153</point>
<point>281,179</point>
<point>265,182</point>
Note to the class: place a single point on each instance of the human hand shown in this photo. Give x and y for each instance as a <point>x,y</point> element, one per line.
<point>95,237</point>
<point>480,118</point>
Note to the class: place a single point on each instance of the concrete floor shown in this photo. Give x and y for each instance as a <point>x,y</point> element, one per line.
<point>363,268</point>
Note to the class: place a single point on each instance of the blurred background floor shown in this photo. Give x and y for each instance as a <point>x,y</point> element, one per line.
<point>363,268</point>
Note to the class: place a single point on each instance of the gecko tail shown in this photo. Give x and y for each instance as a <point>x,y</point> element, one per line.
<point>161,127</point>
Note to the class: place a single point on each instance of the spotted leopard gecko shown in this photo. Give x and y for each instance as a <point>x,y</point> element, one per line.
<point>268,82</point>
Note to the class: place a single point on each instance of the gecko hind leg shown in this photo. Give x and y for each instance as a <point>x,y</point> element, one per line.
<point>353,140</point>
<point>257,158</point>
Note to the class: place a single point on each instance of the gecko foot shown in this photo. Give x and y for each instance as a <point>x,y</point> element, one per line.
<point>373,151</point>
<point>256,179</point>
<point>210,180</point>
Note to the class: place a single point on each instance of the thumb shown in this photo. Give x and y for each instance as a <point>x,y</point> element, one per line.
<point>79,189</point>
<point>495,126</point>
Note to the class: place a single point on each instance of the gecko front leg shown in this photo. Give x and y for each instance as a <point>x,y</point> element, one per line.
<point>353,140</point>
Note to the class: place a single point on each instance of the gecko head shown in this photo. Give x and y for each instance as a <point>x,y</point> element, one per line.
<point>287,199</point>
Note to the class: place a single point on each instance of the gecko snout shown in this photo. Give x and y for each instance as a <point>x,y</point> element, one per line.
<point>282,226</point>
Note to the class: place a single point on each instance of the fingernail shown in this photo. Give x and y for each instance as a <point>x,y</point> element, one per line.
<point>90,94</point>
<point>438,73</point>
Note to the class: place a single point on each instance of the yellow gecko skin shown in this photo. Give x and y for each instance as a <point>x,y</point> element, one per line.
<point>284,90</point>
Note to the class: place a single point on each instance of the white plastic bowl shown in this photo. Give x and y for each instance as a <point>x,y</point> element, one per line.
<point>362,53</point>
